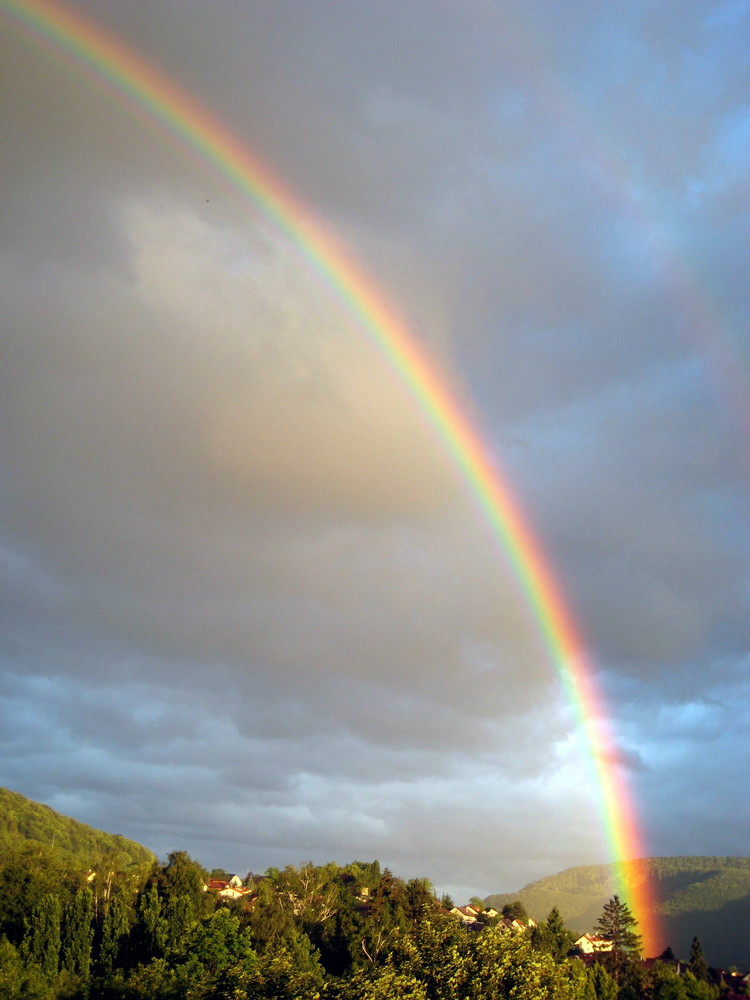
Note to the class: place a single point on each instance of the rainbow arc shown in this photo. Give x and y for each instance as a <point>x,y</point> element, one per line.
<point>164,101</point>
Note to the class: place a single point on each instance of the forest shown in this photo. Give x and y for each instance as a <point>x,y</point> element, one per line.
<point>140,930</point>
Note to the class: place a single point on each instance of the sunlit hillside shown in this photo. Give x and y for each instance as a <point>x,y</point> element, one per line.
<point>24,822</point>
<point>704,896</point>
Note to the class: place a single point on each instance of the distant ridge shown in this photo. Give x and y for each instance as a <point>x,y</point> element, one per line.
<point>705,897</point>
<point>24,822</point>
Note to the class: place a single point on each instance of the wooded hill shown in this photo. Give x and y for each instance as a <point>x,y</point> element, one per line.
<point>24,822</point>
<point>703,896</point>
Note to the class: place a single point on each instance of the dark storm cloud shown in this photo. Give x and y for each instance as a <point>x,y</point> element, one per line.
<point>248,608</point>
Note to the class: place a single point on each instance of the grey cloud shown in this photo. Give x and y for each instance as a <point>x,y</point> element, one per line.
<point>236,559</point>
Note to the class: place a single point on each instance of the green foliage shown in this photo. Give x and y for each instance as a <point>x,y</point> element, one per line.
<point>665,983</point>
<point>152,925</point>
<point>288,972</point>
<point>184,900</point>
<point>506,965</point>
<point>19,981</point>
<point>514,911</point>
<point>379,983</point>
<point>78,934</point>
<point>618,925</point>
<point>41,940</point>
<point>270,919</point>
<point>310,932</point>
<point>697,963</point>
<point>705,895</point>
<point>697,989</point>
<point>114,931</point>
<point>604,986</point>
<point>74,844</point>
<point>366,873</point>
<point>552,936</point>
<point>387,918</point>
<point>420,899</point>
<point>26,878</point>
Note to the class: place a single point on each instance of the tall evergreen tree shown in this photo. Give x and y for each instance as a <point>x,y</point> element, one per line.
<point>697,963</point>
<point>618,925</point>
<point>552,936</point>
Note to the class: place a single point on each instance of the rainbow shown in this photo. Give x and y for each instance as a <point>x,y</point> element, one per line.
<point>143,85</point>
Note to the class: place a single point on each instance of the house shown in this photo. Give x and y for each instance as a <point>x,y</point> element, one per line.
<point>515,925</point>
<point>592,944</point>
<point>468,915</point>
<point>231,889</point>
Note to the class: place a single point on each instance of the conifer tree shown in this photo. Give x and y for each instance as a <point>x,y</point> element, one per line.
<point>552,936</point>
<point>697,963</point>
<point>618,925</point>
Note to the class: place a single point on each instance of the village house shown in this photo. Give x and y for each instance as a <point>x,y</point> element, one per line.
<point>229,888</point>
<point>468,915</point>
<point>591,944</point>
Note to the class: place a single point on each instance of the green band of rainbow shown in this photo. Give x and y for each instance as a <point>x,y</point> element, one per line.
<point>133,77</point>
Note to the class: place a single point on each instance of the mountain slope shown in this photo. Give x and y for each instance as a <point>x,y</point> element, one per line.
<point>703,896</point>
<point>24,822</point>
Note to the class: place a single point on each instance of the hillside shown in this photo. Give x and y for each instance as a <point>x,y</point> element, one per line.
<point>24,822</point>
<point>703,896</point>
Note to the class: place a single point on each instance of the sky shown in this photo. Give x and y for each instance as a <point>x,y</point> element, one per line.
<point>250,609</point>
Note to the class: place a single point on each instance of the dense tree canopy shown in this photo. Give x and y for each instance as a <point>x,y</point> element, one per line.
<point>297,933</point>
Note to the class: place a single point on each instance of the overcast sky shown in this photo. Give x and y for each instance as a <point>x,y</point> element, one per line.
<point>248,607</point>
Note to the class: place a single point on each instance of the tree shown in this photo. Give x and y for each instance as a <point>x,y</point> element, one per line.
<point>78,933</point>
<point>41,942</point>
<point>152,926</point>
<point>515,911</point>
<point>386,919</point>
<point>184,901</point>
<point>618,925</point>
<point>666,983</point>
<point>605,988</point>
<point>115,929</point>
<point>553,936</point>
<point>697,963</point>
<point>505,965</point>
<point>420,898</point>
<point>309,893</point>
<point>288,971</point>
<point>379,983</point>
<point>697,989</point>
<point>19,981</point>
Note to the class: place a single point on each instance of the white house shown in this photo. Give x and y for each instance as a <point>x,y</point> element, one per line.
<point>591,944</point>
